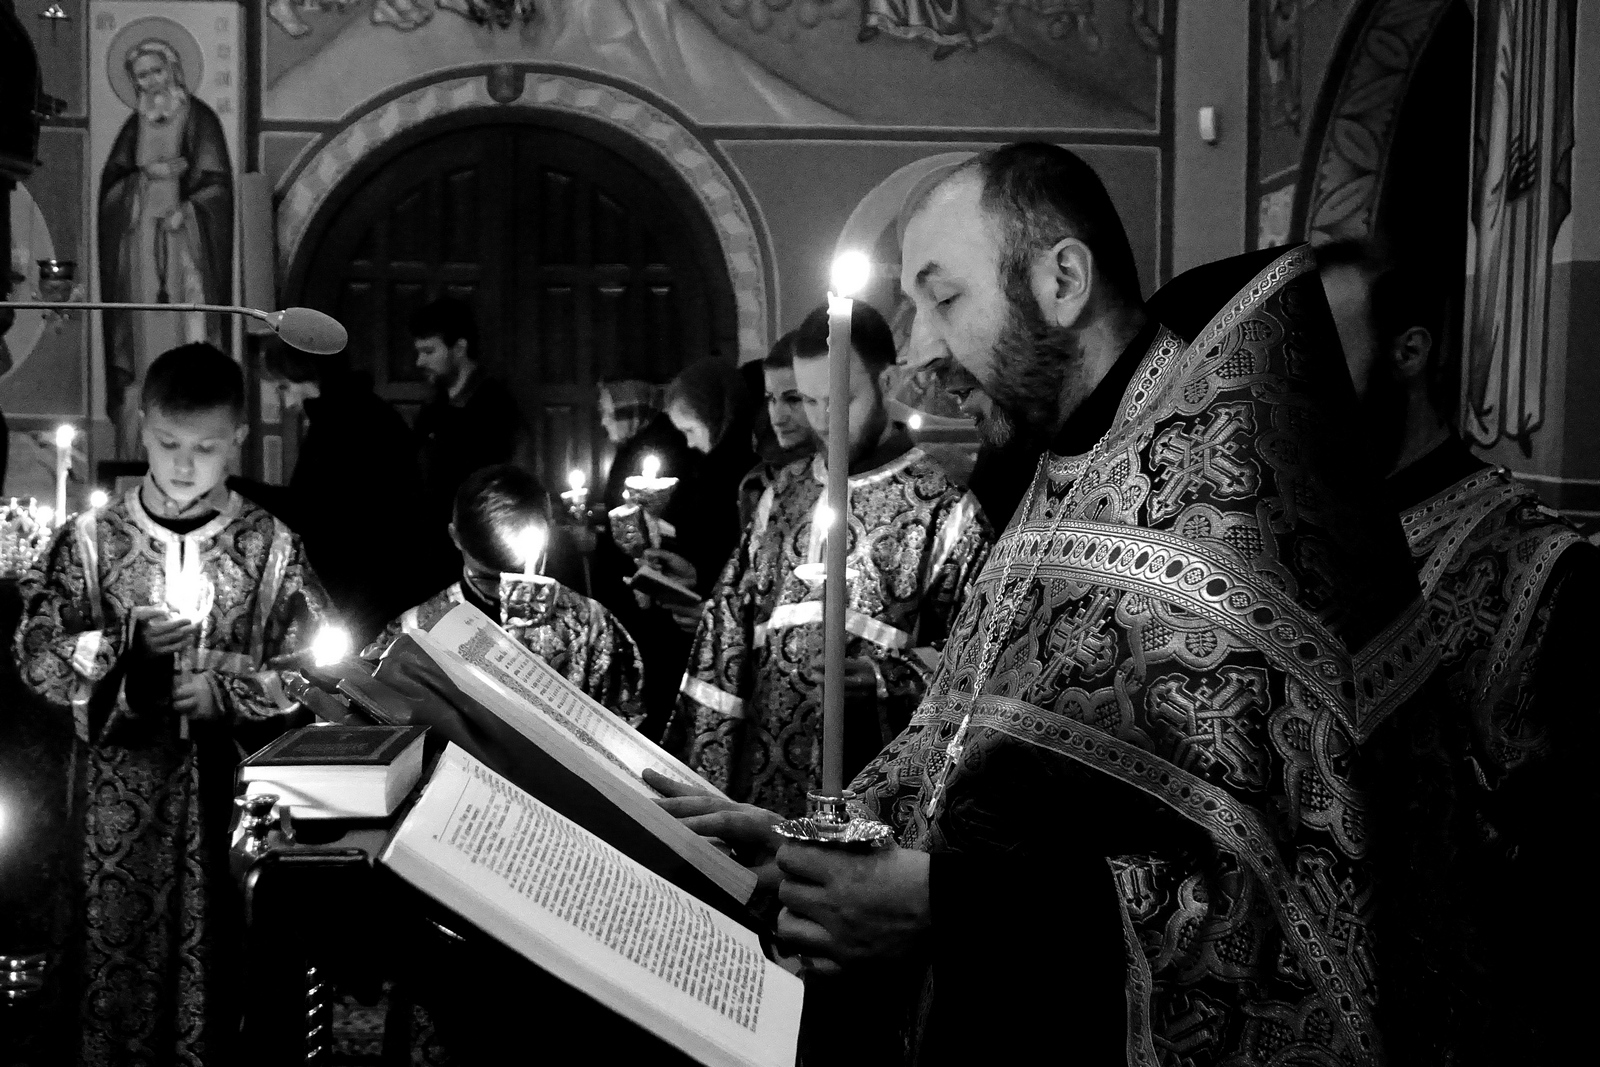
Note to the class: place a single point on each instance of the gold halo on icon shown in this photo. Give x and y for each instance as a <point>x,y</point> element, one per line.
<point>160,29</point>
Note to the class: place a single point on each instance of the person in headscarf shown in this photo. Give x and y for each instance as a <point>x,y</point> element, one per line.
<point>712,411</point>
<point>710,406</point>
<point>632,415</point>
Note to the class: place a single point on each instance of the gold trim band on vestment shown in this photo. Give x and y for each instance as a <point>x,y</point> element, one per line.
<point>705,693</point>
<point>1231,823</point>
<point>807,612</point>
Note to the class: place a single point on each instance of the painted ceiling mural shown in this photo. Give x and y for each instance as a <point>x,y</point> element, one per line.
<point>1065,64</point>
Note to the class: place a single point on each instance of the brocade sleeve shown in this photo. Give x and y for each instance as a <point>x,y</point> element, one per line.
<point>65,650</point>
<point>710,712</point>
<point>292,607</point>
<point>613,670</point>
<point>960,548</point>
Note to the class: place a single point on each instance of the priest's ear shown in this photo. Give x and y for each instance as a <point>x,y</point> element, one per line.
<point>1411,353</point>
<point>1062,278</point>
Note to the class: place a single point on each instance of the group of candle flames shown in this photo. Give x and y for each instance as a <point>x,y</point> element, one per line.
<point>25,530</point>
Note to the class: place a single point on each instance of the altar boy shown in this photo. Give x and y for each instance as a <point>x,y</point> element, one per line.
<point>153,619</point>
<point>495,509</point>
<point>749,717</point>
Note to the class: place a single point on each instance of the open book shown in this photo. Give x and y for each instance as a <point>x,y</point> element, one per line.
<point>491,667</point>
<point>563,898</point>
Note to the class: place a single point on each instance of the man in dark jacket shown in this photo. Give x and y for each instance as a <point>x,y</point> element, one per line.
<point>471,422</point>
<point>355,494</point>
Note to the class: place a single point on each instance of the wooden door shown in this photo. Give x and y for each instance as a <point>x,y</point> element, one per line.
<point>580,264</point>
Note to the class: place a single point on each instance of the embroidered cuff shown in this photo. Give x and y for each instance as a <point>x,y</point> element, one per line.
<point>712,697</point>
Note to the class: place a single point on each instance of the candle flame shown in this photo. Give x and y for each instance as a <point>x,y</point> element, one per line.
<point>66,433</point>
<point>46,514</point>
<point>330,646</point>
<point>851,271</point>
<point>576,479</point>
<point>825,517</point>
<point>99,498</point>
<point>189,592</point>
<point>650,467</point>
<point>915,421</point>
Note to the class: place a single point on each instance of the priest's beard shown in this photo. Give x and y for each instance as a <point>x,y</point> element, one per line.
<point>161,105</point>
<point>1383,413</point>
<point>1038,376</point>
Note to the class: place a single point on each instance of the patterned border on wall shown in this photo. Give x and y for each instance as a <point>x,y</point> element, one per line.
<point>308,190</point>
<point>1357,124</point>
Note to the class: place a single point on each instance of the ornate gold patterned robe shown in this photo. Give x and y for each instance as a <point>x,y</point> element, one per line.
<point>1158,694</point>
<point>157,922</point>
<point>1487,807</point>
<point>749,718</point>
<point>581,640</point>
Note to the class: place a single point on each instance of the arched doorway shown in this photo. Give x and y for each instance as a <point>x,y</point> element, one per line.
<point>1388,153</point>
<point>583,258</point>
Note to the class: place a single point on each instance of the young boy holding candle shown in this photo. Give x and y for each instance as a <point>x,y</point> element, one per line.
<point>501,527</point>
<point>749,716</point>
<point>153,618</point>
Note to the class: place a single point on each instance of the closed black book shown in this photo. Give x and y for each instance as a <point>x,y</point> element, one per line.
<point>338,772</point>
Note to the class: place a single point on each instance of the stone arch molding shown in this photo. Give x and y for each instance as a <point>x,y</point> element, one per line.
<point>744,253</point>
<point>1348,150</point>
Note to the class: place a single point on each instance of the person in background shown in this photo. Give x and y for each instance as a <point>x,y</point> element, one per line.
<point>1487,776</point>
<point>782,434</point>
<point>354,493</point>
<point>472,421</point>
<point>749,716</point>
<point>495,507</point>
<point>710,406</point>
<point>177,571</point>
<point>632,415</point>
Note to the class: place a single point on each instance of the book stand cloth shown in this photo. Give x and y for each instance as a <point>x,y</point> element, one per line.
<point>323,917</point>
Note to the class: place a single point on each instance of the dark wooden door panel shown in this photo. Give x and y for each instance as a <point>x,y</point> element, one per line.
<point>579,265</point>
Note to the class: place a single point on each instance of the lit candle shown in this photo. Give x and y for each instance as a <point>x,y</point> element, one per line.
<point>531,546</point>
<point>577,494</point>
<point>66,433</point>
<point>330,646</point>
<point>99,498</point>
<point>915,421</point>
<point>850,273</point>
<point>189,591</point>
<point>650,467</point>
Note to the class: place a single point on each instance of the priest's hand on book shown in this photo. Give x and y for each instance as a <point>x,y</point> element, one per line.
<point>746,829</point>
<point>842,908</point>
<point>157,633</point>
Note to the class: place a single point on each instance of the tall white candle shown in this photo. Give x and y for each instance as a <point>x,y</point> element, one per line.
<point>66,433</point>
<point>850,272</point>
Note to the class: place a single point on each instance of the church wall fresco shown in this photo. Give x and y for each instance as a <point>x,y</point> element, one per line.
<point>814,101</point>
<point>825,96</point>
<point>165,135</point>
<point>1295,43</point>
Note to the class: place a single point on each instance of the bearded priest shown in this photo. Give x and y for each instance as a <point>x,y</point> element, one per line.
<point>1129,809</point>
